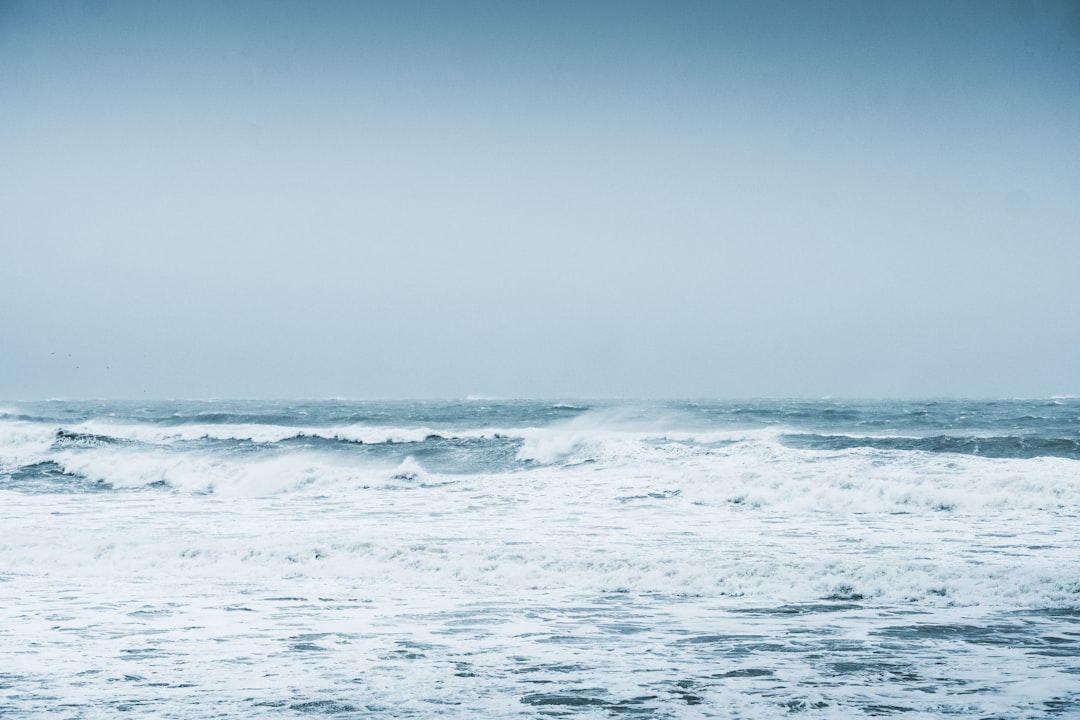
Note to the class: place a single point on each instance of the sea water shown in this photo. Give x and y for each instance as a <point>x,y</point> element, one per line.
<point>491,559</point>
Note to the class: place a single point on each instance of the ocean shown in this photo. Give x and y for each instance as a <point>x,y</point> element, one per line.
<point>517,559</point>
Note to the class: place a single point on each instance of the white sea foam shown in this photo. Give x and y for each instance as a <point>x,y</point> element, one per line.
<point>23,443</point>
<point>640,539</point>
<point>750,468</point>
<point>360,433</point>
<point>616,437</point>
<point>615,568</point>
<point>409,469</point>
<point>193,473</point>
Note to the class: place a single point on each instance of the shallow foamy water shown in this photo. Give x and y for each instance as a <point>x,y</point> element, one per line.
<point>531,559</point>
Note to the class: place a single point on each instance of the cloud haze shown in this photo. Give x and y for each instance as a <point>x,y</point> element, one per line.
<point>539,199</point>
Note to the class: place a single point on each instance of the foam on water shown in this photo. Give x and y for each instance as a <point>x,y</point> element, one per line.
<point>264,433</point>
<point>626,561</point>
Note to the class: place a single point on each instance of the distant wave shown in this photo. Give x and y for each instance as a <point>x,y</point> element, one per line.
<point>991,446</point>
<point>268,433</point>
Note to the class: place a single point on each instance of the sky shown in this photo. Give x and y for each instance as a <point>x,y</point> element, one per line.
<point>539,199</point>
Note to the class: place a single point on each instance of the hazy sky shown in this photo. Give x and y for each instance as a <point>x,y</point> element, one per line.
<point>438,199</point>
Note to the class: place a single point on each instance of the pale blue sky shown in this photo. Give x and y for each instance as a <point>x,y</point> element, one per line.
<point>382,200</point>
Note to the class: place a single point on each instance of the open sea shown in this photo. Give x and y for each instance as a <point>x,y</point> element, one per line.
<point>518,559</point>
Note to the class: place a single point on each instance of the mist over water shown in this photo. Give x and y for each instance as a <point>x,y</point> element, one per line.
<point>525,558</point>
